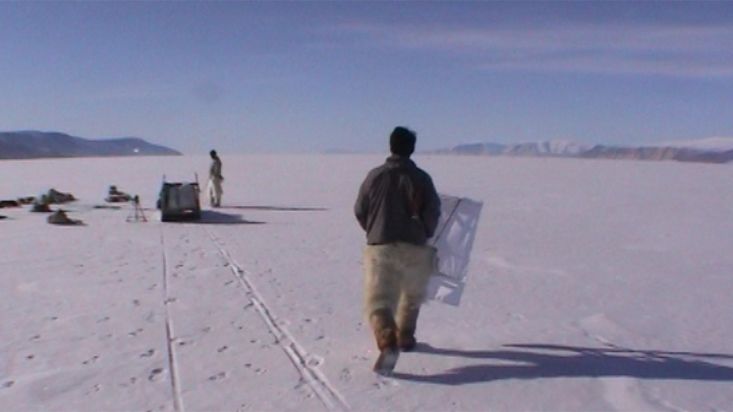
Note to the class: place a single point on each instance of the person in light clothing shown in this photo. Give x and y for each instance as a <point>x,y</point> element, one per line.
<point>398,208</point>
<point>215,179</point>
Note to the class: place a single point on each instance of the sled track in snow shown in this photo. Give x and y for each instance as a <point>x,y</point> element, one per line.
<point>299,356</point>
<point>172,363</point>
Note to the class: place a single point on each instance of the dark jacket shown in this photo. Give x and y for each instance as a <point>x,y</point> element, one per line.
<point>397,203</point>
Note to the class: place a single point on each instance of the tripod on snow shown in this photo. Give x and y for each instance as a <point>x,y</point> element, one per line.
<point>137,214</point>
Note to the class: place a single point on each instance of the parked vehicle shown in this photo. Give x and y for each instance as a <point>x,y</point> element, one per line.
<point>179,201</point>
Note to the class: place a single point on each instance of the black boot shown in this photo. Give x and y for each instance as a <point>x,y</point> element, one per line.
<point>406,324</point>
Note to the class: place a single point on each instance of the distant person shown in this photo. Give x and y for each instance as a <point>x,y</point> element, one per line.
<point>215,180</point>
<point>398,207</point>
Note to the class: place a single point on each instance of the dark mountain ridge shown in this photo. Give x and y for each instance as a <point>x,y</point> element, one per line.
<point>34,144</point>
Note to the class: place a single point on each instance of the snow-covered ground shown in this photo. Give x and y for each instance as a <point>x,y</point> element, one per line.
<point>594,285</point>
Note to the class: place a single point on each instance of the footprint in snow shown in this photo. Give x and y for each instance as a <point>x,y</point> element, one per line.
<point>95,388</point>
<point>155,374</point>
<point>222,349</point>
<point>384,382</point>
<point>148,354</point>
<point>218,376</point>
<point>345,375</point>
<point>8,384</point>
<point>314,361</point>
<point>91,360</point>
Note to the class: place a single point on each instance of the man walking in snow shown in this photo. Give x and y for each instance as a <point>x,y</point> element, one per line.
<point>398,207</point>
<point>215,179</point>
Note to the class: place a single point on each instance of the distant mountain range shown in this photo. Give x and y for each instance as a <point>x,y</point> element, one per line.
<point>711,150</point>
<point>34,144</point>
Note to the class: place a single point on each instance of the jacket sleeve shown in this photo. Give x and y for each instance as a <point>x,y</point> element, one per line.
<point>431,208</point>
<point>361,207</point>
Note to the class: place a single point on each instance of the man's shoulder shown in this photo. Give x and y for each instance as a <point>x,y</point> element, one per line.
<point>422,171</point>
<point>410,167</point>
<point>377,171</point>
<point>422,174</point>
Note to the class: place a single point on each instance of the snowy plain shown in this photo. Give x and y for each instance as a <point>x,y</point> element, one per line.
<point>594,285</point>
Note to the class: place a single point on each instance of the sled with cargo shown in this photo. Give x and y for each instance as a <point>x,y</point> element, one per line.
<point>179,201</point>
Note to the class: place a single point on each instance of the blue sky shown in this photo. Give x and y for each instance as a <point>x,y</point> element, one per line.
<point>314,76</point>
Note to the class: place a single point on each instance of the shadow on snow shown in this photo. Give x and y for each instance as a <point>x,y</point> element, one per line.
<point>534,361</point>
<point>211,217</point>
<point>279,208</point>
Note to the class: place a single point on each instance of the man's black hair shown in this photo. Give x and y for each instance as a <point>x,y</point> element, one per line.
<point>402,141</point>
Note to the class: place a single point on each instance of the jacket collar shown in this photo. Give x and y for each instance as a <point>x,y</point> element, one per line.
<point>399,161</point>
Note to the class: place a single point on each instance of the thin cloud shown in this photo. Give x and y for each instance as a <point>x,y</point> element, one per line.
<point>695,51</point>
